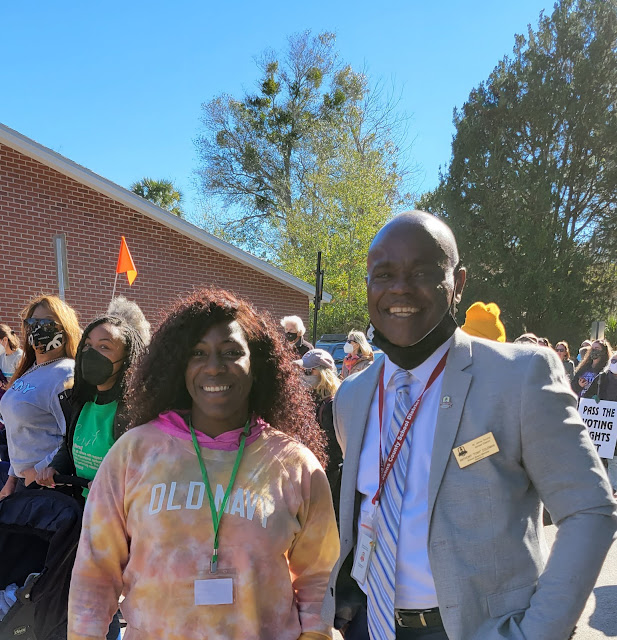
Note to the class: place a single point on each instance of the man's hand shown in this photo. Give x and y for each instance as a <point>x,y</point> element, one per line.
<point>29,475</point>
<point>9,487</point>
<point>45,477</point>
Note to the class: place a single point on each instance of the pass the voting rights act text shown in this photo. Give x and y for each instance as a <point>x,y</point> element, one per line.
<point>600,418</point>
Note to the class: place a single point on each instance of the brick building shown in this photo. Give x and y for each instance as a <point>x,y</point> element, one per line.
<point>48,202</point>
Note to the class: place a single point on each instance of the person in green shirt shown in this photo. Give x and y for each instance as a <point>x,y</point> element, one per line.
<point>95,405</point>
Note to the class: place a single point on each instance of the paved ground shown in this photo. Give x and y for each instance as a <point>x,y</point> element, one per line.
<point>599,619</point>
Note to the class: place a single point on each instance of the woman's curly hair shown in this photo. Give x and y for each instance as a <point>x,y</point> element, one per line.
<point>278,395</point>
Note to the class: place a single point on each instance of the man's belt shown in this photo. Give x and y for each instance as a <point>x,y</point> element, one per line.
<point>418,619</point>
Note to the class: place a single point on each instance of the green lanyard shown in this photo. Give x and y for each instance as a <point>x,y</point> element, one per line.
<point>216,517</point>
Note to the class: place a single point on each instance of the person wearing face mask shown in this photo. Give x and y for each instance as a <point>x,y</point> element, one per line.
<point>10,353</point>
<point>358,354</point>
<point>96,415</point>
<point>446,443</point>
<point>30,408</point>
<point>582,351</point>
<point>294,334</point>
<point>604,387</point>
<point>94,408</point>
<point>320,376</point>
<point>593,363</point>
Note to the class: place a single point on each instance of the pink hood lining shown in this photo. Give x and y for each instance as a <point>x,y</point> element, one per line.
<point>174,424</point>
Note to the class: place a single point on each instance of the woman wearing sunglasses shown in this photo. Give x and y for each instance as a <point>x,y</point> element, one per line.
<point>10,353</point>
<point>321,378</point>
<point>358,354</point>
<point>30,408</point>
<point>563,351</point>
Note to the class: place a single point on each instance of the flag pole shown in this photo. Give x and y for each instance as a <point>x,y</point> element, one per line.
<point>114,291</point>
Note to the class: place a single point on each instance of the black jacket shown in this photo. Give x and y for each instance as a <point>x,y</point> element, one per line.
<point>599,387</point>
<point>63,461</point>
<point>325,420</point>
<point>302,346</point>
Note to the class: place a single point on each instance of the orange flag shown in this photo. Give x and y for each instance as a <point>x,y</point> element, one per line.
<point>125,262</point>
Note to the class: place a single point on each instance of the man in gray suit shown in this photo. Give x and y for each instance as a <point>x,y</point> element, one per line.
<point>451,445</point>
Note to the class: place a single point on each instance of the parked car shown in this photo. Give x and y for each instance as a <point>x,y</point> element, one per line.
<point>333,343</point>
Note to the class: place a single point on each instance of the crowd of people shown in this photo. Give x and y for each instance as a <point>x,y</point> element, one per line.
<point>593,358</point>
<point>238,486</point>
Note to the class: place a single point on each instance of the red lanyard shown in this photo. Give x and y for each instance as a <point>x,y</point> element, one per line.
<point>386,467</point>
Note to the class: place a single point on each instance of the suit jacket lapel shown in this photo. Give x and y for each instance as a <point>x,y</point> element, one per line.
<point>456,385</point>
<point>357,406</point>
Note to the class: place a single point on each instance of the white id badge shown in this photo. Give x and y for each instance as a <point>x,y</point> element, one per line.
<point>364,551</point>
<point>217,589</point>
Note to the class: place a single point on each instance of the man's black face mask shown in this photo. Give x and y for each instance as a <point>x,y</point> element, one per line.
<point>414,355</point>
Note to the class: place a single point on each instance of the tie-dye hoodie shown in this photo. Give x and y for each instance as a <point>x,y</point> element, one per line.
<point>147,533</point>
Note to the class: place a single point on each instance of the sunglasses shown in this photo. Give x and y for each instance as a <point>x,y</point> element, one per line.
<point>595,353</point>
<point>39,322</point>
<point>308,372</point>
<point>560,350</point>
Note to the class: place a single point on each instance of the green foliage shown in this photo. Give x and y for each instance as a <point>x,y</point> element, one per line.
<point>611,331</point>
<point>531,190</point>
<point>350,199</point>
<point>161,192</point>
<point>308,164</point>
<point>256,151</point>
<point>340,317</point>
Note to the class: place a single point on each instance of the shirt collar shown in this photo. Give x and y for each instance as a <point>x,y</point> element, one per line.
<point>423,371</point>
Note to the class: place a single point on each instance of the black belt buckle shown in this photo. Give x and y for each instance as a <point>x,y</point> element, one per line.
<point>416,618</point>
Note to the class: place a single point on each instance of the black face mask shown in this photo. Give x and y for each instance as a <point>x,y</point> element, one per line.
<point>48,335</point>
<point>411,357</point>
<point>95,367</point>
<point>291,337</point>
<point>414,355</point>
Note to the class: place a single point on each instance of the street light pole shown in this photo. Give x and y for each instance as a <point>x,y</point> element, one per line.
<point>318,294</point>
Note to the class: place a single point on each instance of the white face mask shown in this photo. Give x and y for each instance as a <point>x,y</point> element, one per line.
<point>2,350</point>
<point>311,381</point>
<point>348,347</point>
<point>612,367</point>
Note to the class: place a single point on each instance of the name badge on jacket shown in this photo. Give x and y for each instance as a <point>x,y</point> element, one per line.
<point>475,450</point>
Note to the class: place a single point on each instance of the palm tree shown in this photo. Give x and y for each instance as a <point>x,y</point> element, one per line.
<point>162,192</point>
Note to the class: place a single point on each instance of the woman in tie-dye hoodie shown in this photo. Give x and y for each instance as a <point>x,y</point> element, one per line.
<point>217,385</point>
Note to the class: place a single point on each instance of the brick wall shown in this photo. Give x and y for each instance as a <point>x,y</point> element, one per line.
<point>37,202</point>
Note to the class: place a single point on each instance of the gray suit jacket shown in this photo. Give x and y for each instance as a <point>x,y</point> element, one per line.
<point>486,544</point>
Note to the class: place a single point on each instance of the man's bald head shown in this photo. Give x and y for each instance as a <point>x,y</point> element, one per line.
<point>422,223</point>
<point>414,278</point>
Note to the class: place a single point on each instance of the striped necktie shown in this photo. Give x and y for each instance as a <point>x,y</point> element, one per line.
<point>382,569</point>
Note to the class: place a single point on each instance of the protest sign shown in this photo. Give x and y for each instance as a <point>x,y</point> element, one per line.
<point>601,421</point>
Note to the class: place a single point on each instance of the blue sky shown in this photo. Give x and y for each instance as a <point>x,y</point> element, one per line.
<point>117,86</point>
